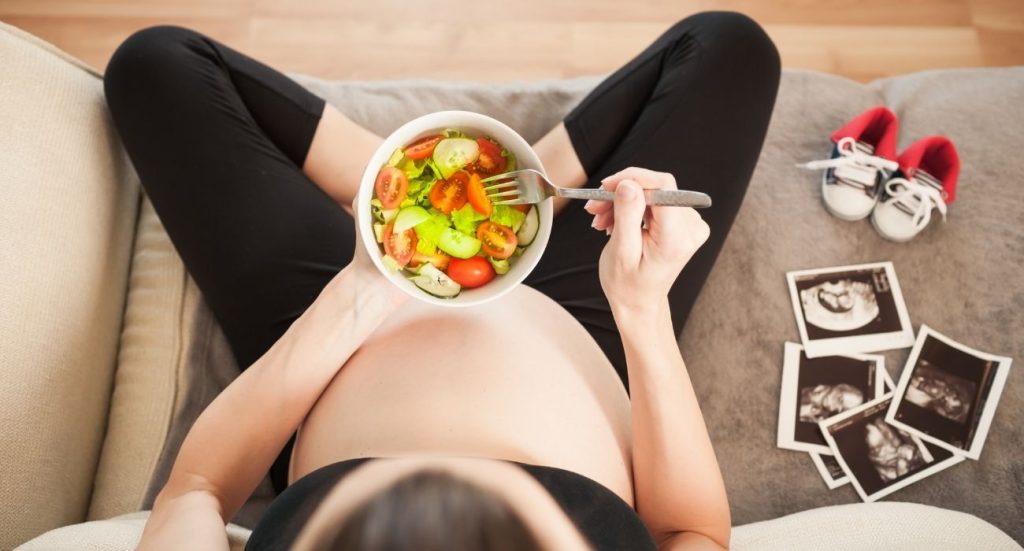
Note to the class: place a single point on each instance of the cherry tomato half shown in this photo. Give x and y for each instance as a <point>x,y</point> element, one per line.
<point>490,160</point>
<point>422,148</point>
<point>399,246</point>
<point>496,240</point>
<point>448,195</point>
<point>438,259</point>
<point>391,186</point>
<point>471,272</point>
<point>478,197</point>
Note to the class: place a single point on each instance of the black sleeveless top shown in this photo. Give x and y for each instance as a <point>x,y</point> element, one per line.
<point>604,519</point>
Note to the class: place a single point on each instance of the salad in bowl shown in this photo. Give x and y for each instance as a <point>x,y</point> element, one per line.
<point>435,232</point>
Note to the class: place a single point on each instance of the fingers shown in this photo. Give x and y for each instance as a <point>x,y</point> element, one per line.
<point>627,238</point>
<point>647,179</point>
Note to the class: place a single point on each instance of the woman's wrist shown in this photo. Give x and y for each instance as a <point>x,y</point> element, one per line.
<point>641,317</point>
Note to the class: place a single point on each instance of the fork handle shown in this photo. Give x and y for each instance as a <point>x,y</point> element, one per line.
<point>659,197</point>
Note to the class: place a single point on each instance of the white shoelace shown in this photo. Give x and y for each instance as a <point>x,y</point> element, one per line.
<point>924,197</point>
<point>853,163</point>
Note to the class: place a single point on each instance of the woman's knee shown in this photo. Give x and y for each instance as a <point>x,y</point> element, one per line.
<point>147,60</point>
<point>728,38</point>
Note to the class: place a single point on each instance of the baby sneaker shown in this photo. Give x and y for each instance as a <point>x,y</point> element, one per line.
<point>926,180</point>
<point>863,158</point>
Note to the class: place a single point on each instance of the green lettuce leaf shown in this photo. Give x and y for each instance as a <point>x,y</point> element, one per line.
<point>511,158</point>
<point>466,219</point>
<point>426,246</point>
<point>419,187</point>
<point>431,228</point>
<point>508,216</point>
<point>413,169</point>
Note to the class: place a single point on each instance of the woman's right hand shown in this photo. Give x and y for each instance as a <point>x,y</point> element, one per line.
<point>649,246</point>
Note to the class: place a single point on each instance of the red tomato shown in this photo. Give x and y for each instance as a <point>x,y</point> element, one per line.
<point>399,246</point>
<point>391,186</point>
<point>471,272</point>
<point>448,195</point>
<point>438,259</point>
<point>478,197</point>
<point>521,208</point>
<point>422,148</point>
<point>496,240</point>
<point>490,160</point>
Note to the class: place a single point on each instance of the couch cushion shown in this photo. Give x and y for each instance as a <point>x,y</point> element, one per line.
<point>121,533</point>
<point>67,218</point>
<point>879,526</point>
<point>155,337</point>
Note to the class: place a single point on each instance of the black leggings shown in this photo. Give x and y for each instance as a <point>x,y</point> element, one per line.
<point>219,139</point>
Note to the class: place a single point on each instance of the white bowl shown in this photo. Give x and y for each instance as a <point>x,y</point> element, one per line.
<point>473,124</point>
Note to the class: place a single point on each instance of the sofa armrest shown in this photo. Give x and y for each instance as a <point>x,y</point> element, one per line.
<point>121,532</point>
<point>67,221</point>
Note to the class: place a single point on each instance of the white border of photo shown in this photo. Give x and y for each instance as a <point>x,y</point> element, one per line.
<point>920,475</point>
<point>826,475</point>
<point>1002,371</point>
<point>903,338</point>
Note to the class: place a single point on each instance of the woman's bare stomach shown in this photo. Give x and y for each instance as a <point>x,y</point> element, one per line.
<point>516,379</point>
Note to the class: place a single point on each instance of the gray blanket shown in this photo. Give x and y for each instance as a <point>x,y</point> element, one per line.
<point>962,278</point>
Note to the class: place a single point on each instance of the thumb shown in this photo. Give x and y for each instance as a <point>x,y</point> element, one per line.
<point>627,236</point>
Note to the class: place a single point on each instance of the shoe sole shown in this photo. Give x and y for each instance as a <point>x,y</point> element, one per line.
<point>887,236</point>
<point>833,212</point>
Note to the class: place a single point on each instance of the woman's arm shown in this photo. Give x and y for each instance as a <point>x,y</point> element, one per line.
<point>679,490</point>
<point>677,481</point>
<point>233,443</point>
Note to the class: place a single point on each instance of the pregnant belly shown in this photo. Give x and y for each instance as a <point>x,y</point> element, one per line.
<point>516,379</point>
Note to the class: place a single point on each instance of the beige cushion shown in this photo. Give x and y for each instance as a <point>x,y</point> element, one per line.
<point>157,329</point>
<point>879,526</point>
<point>67,219</point>
<point>121,533</point>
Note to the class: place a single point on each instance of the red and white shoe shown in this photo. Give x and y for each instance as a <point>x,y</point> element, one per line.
<point>863,158</point>
<point>926,180</point>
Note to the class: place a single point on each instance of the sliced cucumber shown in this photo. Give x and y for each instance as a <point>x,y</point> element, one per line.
<point>390,263</point>
<point>501,267</point>
<point>531,225</point>
<point>451,154</point>
<point>378,232</point>
<point>409,217</point>
<point>458,244</point>
<point>519,251</point>
<point>436,282</point>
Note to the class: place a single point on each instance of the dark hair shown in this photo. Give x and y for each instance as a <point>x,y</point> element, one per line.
<point>431,510</point>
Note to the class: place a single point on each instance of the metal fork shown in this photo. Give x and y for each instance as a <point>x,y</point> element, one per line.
<point>528,186</point>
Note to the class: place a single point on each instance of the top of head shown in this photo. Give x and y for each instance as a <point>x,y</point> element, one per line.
<point>474,124</point>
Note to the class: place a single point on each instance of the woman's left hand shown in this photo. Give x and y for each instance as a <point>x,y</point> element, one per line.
<point>362,276</point>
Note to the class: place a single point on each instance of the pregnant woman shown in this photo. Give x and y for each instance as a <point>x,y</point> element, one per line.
<point>560,416</point>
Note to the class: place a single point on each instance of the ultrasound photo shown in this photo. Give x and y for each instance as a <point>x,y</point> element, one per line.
<point>850,309</point>
<point>830,470</point>
<point>880,458</point>
<point>948,393</point>
<point>814,389</point>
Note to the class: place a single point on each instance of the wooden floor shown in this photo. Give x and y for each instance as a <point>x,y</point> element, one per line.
<point>491,40</point>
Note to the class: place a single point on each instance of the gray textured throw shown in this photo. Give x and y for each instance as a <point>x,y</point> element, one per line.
<point>963,278</point>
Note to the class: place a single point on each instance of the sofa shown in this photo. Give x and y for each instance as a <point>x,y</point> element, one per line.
<point>108,351</point>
